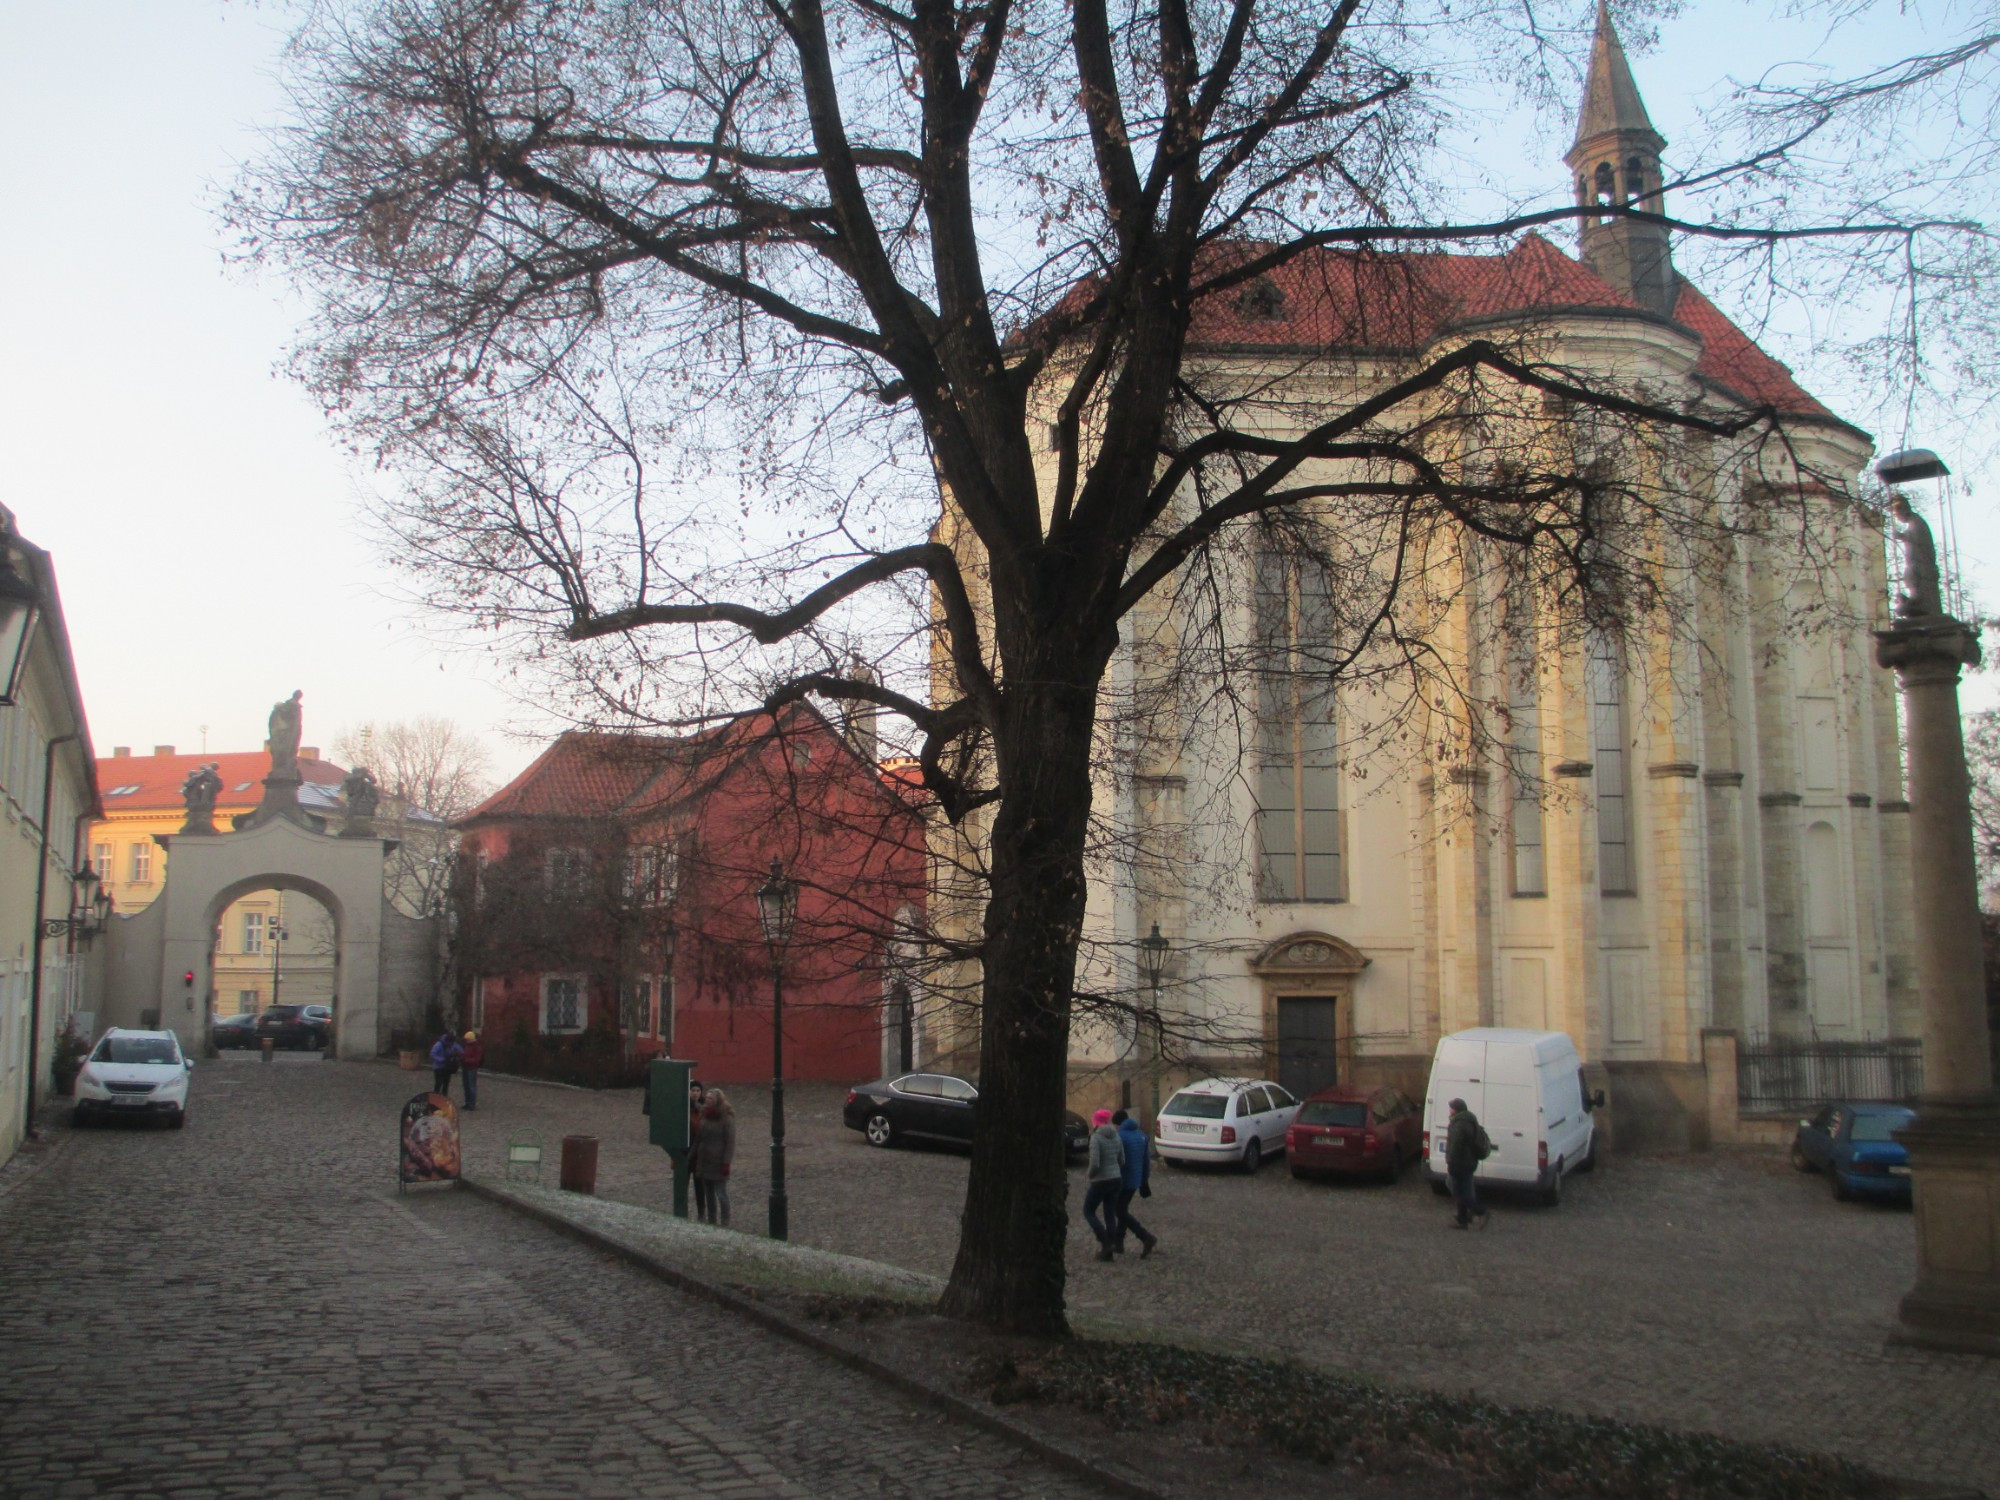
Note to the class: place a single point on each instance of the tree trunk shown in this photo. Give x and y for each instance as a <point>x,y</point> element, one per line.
<point>1009,1272</point>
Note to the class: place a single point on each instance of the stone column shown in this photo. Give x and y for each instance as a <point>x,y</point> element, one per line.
<point>1954,1143</point>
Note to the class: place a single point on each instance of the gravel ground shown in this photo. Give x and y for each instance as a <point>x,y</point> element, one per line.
<point>1718,1292</point>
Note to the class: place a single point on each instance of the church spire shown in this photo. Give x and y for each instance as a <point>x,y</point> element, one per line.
<point>1616,162</point>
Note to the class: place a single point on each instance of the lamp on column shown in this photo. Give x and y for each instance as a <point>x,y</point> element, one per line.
<point>89,912</point>
<point>777,906</point>
<point>1153,965</point>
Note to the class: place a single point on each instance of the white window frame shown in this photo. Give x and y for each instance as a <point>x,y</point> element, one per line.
<point>141,863</point>
<point>582,983</point>
<point>255,924</point>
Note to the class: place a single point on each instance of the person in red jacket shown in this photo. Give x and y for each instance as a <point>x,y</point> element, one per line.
<point>472,1054</point>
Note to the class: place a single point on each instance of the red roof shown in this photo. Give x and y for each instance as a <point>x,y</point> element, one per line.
<point>1330,300</point>
<point>152,783</point>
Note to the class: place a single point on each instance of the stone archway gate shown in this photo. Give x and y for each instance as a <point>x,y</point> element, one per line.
<point>382,958</point>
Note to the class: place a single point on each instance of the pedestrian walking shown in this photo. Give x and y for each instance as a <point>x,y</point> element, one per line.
<point>1136,1183</point>
<point>1465,1146</point>
<point>471,1058</point>
<point>1107,1179</point>
<point>714,1152</point>
<point>445,1053</point>
<point>696,1095</point>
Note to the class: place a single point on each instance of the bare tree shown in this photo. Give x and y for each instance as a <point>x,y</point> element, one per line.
<point>431,773</point>
<point>674,319</point>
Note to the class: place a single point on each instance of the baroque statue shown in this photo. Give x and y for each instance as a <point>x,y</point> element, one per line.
<point>287,724</point>
<point>361,793</point>
<point>1920,596</point>
<point>199,792</point>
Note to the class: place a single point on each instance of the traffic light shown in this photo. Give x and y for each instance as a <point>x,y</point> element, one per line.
<point>188,979</point>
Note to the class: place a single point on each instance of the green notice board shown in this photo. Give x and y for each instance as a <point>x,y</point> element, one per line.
<point>667,1083</point>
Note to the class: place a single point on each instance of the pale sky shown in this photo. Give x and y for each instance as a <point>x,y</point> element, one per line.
<point>206,531</point>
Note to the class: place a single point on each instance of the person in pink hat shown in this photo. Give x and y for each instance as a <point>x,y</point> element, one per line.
<point>1107,1178</point>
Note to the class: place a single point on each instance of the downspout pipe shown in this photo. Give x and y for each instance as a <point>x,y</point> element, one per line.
<point>36,939</point>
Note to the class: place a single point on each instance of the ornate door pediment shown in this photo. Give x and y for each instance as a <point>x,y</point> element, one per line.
<point>1309,953</point>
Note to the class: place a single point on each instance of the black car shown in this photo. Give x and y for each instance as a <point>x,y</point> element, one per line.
<point>303,1026</point>
<point>234,1031</point>
<point>933,1106</point>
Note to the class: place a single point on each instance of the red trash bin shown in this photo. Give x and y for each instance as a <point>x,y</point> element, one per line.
<point>579,1164</point>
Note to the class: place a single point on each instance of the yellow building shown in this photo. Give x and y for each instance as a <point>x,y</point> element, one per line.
<point>271,945</point>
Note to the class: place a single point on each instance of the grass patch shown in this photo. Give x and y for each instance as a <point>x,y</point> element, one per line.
<point>1234,1401</point>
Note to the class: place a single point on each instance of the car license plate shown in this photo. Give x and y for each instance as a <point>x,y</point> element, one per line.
<point>128,1101</point>
<point>1899,1171</point>
<point>1189,1129</point>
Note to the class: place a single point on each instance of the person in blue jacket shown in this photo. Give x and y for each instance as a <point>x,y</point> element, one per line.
<point>1138,1183</point>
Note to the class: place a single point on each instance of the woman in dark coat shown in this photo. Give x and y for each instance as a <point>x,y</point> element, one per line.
<point>714,1152</point>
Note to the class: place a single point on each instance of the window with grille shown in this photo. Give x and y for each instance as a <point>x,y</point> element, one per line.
<point>1297,754</point>
<point>562,1002</point>
<point>642,1008</point>
<point>1611,771</point>
<point>566,872</point>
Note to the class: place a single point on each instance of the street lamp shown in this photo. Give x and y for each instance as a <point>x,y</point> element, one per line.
<point>669,938</point>
<point>90,909</point>
<point>1153,964</point>
<point>777,905</point>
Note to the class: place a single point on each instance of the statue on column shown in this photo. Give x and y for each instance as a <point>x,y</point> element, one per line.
<point>287,724</point>
<point>199,792</point>
<point>1921,596</point>
<point>362,796</point>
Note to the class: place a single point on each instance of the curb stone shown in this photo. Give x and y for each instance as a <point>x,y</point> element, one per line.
<point>1053,1451</point>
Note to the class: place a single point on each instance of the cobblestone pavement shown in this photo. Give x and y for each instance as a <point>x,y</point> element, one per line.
<point>246,1307</point>
<point>1720,1292</point>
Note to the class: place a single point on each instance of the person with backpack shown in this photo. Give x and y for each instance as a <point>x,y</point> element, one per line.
<point>1465,1147</point>
<point>445,1055</point>
<point>1137,1183</point>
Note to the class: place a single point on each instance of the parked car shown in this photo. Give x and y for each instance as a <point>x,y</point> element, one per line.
<point>1850,1142</point>
<point>234,1031</point>
<point>1527,1089</point>
<point>1354,1129</point>
<point>293,1026</point>
<point>134,1074</point>
<point>1239,1121</point>
<point>933,1106</point>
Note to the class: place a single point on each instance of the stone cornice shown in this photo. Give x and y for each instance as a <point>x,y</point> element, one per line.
<point>1779,799</point>
<point>1572,768</point>
<point>1722,778</point>
<point>1665,770</point>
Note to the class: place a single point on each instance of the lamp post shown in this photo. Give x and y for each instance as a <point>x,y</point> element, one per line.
<point>279,933</point>
<point>1153,964</point>
<point>90,910</point>
<point>777,905</point>
<point>1954,1142</point>
<point>669,937</point>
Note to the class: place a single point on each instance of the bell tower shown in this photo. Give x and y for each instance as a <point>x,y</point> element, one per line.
<point>1616,163</point>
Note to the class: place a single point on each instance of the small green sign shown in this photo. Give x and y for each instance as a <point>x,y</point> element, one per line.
<point>667,1084</point>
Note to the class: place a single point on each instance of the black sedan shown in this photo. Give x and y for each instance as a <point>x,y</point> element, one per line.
<point>234,1031</point>
<point>932,1106</point>
<point>295,1026</point>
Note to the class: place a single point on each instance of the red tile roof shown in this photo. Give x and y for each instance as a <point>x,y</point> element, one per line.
<point>151,783</point>
<point>1347,300</point>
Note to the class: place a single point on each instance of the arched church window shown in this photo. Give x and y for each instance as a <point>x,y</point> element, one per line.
<point>1607,185</point>
<point>1612,769</point>
<point>1635,180</point>
<point>1298,779</point>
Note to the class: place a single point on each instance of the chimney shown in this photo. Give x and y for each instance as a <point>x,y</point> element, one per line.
<point>121,752</point>
<point>163,749</point>
<point>308,752</point>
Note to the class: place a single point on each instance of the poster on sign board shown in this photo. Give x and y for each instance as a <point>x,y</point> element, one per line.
<point>430,1140</point>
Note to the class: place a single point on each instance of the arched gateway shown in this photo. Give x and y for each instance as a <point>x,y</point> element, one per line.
<point>382,958</point>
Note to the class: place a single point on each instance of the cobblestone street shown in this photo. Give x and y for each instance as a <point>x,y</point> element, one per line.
<point>1719,1292</point>
<point>246,1307</point>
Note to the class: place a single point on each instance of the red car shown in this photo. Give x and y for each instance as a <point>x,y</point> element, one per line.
<point>1354,1128</point>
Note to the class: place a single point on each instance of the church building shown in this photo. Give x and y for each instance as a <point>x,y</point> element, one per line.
<point>1693,824</point>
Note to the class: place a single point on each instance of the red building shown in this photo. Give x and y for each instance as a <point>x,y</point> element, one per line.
<point>607,906</point>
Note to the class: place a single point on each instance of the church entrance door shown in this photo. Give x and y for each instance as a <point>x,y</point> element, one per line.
<point>1308,1041</point>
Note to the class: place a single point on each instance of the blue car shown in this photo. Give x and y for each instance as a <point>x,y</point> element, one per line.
<point>1851,1144</point>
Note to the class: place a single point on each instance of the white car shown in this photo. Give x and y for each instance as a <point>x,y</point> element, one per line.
<point>1526,1087</point>
<point>1235,1120</point>
<point>136,1073</point>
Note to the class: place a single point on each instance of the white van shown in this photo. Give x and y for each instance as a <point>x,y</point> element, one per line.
<point>1527,1089</point>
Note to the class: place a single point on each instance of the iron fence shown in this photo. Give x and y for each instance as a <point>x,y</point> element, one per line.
<point>1796,1075</point>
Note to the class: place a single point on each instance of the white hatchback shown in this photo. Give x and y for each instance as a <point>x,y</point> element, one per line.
<point>134,1073</point>
<point>1235,1120</point>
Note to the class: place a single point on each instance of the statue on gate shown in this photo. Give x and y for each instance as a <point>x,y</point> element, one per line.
<point>199,792</point>
<point>287,724</point>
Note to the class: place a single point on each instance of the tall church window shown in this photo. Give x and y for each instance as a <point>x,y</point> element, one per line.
<point>1612,772</point>
<point>1297,754</point>
<point>1524,745</point>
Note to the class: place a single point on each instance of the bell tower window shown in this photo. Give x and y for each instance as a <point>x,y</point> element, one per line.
<point>1635,180</point>
<point>1607,185</point>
